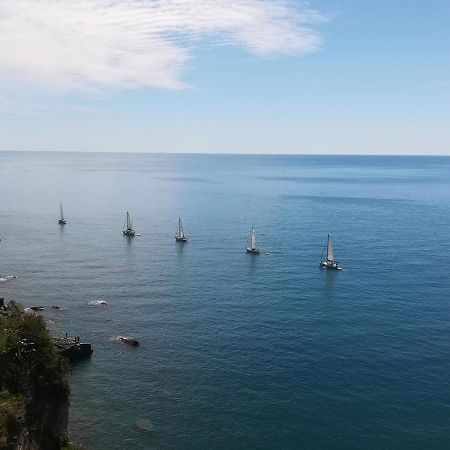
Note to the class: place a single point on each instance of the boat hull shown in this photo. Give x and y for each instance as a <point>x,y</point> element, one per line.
<point>330,265</point>
<point>253,251</point>
<point>62,222</point>
<point>129,233</point>
<point>180,239</point>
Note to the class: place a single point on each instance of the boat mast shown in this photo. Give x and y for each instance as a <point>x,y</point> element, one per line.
<point>61,211</point>
<point>128,221</point>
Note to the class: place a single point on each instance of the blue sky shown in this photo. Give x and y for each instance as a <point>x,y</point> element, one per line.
<point>226,76</point>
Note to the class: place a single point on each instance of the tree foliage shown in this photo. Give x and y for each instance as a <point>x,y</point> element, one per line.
<point>33,378</point>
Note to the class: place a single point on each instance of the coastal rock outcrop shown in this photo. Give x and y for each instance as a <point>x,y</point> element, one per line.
<point>128,340</point>
<point>34,388</point>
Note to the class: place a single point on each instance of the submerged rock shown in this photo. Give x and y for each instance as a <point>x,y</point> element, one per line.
<point>144,425</point>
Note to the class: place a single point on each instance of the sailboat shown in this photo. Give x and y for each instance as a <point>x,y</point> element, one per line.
<point>330,262</point>
<point>180,236</point>
<point>253,248</point>
<point>128,228</point>
<point>61,220</point>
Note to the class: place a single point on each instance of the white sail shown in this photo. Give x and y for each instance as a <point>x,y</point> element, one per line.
<point>61,212</point>
<point>129,222</point>
<point>180,229</point>
<point>253,245</point>
<point>330,253</point>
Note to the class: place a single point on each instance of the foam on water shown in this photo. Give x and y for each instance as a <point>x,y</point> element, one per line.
<point>97,303</point>
<point>7,278</point>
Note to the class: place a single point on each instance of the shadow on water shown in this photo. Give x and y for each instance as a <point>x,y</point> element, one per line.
<point>129,253</point>
<point>253,263</point>
<point>180,246</point>
<point>81,365</point>
<point>330,282</point>
<point>180,255</point>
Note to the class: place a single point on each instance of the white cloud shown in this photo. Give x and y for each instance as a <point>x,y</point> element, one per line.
<point>97,45</point>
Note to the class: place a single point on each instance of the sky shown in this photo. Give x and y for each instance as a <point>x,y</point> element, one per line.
<point>226,76</point>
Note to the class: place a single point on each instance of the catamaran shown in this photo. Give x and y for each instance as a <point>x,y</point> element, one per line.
<point>128,228</point>
<point>330,262</point>
<point>253,248</point>
<point>180,236</point>
<point>62,220</point>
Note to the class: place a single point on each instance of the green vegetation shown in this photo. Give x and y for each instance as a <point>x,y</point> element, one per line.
<point>71,446</point>
<point>12,412</point>
<point>34,387</point>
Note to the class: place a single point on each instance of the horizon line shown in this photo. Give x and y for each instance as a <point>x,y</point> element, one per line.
<point>223,154</point>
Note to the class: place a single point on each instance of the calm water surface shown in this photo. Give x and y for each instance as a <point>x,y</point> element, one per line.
<point>238,351</point>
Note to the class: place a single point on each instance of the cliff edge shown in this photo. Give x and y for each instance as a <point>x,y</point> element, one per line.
<point>34,387</point>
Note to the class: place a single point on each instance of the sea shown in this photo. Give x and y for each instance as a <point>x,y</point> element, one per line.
<point>240,351</point>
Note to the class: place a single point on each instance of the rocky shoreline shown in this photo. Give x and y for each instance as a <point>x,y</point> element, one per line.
<point>34,383</point>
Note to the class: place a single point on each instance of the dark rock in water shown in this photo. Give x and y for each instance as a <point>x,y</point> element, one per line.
<point>71,349</point>
<point>129,341</point>
<point>2,302</point>
<point>37,308</point>
<point>145,425</point>
<point>56,307</point>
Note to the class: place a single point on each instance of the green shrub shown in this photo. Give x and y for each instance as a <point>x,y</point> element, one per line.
<point>12,412</point>
<point>33,377</point>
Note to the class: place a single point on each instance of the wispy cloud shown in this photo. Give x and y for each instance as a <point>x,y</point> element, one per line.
<point>101,45</point>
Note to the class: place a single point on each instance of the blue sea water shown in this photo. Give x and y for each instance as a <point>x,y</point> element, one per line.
<point>241,351</point>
